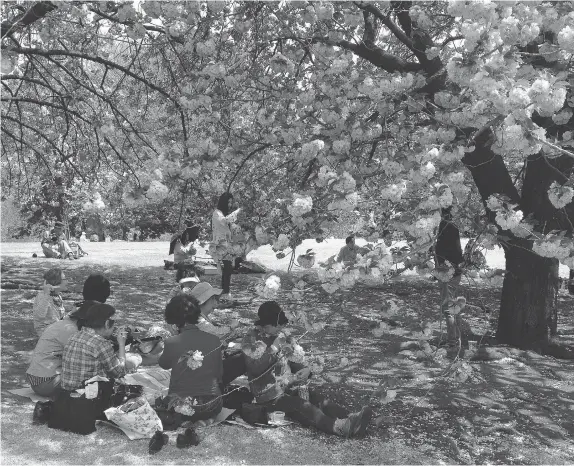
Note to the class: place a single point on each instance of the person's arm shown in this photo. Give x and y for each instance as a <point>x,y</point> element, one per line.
<point>40,308</point>
<point>115,365</point>
<point>166,359</point>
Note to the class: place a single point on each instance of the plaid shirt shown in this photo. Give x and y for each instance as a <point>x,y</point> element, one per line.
<point>86,355</point>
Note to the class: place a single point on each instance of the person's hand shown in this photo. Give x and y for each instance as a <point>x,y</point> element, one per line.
<point>121,336</point>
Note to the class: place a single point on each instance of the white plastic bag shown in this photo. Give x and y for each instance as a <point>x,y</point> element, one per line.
<point>136,418</point>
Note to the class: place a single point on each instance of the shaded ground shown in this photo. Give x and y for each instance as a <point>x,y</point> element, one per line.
<point>518,408</point>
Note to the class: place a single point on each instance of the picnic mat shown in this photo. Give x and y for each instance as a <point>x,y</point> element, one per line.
<point>27,392</point>
<point>155,381</point>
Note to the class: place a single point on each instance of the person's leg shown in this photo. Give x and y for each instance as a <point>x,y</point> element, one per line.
<point>49,388</point>
<point>226,276</point>
<point>329,407</point>
<point>49,252</point>
<point>233,367</point>
<point>305,413</point>
<point>65,249</point>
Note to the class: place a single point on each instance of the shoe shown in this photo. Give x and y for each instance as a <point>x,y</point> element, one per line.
<point>187,439</point>
<point>157,442</point>
<point>363,417</point>
<point>41,413</point>
<point>343,427</point>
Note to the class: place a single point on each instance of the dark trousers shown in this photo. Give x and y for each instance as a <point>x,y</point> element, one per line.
<point>318,412</point>
<point>233,367</point>
<point>226,273</point>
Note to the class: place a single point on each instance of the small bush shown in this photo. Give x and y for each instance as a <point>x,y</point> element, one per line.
<point>94,238</point>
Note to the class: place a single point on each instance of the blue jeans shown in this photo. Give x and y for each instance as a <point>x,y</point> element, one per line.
<point>318,412</point>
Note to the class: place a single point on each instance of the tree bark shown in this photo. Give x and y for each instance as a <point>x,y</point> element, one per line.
<point>529,297</point>
<point>528,309</point>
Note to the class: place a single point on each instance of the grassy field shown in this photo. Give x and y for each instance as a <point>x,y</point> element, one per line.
<point>514,409</point>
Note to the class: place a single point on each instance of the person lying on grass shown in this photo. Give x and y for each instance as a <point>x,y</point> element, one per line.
<point>271,357</point>
<point>46,366</point>
<point>194,358</point>
<point>90,352</point>
<point>48,306</point>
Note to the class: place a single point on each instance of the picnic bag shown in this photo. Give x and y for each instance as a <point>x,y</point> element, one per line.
<point>136,418</point>
<point>74,412</point>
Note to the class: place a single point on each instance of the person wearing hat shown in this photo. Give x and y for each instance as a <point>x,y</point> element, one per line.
<point>89,352</point>
<point>54,244</point>
<point>207,296</point>
<point>272,369</point>
<point>44,373</point>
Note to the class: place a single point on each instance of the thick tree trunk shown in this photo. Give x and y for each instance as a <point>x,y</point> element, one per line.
<point>529,294</point>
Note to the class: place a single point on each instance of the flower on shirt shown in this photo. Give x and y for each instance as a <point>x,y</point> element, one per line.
<point>253,348</point>
<point>194,359</point>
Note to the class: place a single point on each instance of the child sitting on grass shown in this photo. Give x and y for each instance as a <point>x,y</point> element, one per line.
<point>48,306</point>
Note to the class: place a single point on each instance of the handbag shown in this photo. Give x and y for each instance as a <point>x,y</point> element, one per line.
<point>124,392</point>
<point>74,412</point>
<point>136,418</point>
<point>234,396</point>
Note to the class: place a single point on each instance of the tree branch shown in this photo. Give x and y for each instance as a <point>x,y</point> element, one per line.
<point>251,154</point>
<point>36,12</point>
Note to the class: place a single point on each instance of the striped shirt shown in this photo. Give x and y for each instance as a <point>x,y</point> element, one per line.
<point>86,355</point>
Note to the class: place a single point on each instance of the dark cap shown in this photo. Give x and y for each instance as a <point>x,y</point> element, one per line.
<point>270,313</point>
<point>97,315</point>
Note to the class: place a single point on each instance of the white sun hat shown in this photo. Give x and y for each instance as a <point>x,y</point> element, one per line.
<point>203,291</point>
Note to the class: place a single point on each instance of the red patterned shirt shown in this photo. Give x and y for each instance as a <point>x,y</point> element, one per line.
<point>86,355</point>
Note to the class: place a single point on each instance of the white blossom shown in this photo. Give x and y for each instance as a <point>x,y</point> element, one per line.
<point>560,196</point>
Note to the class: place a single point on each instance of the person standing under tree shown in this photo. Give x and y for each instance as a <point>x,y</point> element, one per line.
<point>223,217</point>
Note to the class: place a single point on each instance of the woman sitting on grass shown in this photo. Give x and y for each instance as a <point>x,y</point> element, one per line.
<point>270,358</point>
<point>194,358</point>
<point>90,352</point>
<point>48,306</point>
<point>46,366</point>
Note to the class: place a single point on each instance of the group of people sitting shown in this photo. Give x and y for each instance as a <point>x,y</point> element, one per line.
<point>76,347</point>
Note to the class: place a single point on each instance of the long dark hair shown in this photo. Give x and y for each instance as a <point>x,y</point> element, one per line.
<point>190,234</point>
<point>223,203</point>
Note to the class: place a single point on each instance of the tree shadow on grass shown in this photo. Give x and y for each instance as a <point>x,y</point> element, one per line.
<point>435,416</point>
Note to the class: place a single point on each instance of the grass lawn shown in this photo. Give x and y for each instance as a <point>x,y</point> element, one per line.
<point>516,409</point>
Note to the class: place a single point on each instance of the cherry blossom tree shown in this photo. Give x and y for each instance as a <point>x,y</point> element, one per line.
<point>327,118</point>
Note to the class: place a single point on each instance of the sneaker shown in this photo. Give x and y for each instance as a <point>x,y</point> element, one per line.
<point>157,442</point>
<point>41,413</point>
<point>187,439</point>
<point>362,419</point>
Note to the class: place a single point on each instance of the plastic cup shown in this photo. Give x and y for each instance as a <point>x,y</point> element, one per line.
<point>276,416</point>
